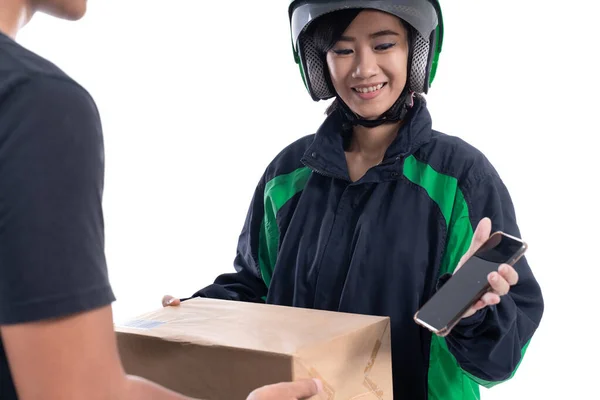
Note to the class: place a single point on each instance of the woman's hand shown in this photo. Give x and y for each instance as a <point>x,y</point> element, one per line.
<point>500,281</point>
<point>170,301</point>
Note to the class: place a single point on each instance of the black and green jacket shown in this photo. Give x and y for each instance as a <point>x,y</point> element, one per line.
<point>313,238</point>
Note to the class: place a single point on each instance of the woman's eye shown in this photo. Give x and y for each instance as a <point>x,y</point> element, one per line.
<point>343,52</point>
<point>385,46</point>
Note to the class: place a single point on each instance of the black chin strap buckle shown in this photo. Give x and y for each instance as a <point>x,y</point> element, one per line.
<point>396,113</point>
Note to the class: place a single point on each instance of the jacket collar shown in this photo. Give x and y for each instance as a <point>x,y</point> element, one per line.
<point>326,154</point>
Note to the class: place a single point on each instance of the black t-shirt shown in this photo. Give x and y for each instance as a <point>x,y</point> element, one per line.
<point>52,259</point>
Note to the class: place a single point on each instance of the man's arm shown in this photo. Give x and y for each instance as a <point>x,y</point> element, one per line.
<point>55,317</point>
<point>73,357</point>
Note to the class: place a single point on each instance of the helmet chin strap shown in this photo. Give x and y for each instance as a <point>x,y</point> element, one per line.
<point>395,113</point>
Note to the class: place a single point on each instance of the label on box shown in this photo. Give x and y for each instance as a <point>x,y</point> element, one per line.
<point>142,324</point>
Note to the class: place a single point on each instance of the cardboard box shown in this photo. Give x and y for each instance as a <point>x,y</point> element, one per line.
<point>222,350</point>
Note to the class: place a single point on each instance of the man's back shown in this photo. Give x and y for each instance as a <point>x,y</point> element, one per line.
<point>52,260</point>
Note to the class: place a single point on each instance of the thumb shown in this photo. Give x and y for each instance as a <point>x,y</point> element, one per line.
<point>170,301</point>
<point>481,234</point>
<point>304,389</point>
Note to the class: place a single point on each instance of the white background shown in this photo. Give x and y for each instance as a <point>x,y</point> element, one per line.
<point>197,97</point>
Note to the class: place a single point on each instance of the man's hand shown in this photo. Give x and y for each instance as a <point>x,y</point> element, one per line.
<point>298,390</point>
<point>500,281</point>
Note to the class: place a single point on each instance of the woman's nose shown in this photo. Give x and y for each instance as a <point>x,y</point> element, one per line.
<point>366,65</point>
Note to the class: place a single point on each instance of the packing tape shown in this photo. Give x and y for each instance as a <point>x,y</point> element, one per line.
<point>327,388</point>
<point>368,382</point>
<point>372,387</point>
<point>373,357</point>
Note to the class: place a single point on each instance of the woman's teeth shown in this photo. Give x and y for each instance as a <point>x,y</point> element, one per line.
<point>369,89</point>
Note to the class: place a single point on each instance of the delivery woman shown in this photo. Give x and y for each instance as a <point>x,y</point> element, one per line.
<point>373,212</point>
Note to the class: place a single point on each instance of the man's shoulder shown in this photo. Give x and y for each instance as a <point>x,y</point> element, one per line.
<point>14,58</point>
<point>22,69</point>
<point>34,89</point>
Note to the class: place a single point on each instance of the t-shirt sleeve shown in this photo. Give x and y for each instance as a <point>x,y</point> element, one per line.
<point>52,260</point>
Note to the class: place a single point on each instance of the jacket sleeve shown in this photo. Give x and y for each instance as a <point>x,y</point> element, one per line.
<point>247,283</point>
<point>490,344</point>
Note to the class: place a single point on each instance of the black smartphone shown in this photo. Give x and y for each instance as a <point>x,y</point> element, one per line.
<point>469,283</point>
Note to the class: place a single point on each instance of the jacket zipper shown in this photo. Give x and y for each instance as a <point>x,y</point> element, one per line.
<point>323,173</point>
<point>328,175</point>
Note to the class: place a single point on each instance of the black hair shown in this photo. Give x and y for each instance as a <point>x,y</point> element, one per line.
<point>327,30</point>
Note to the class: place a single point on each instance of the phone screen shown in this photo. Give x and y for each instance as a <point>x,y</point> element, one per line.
<point>469,283</point>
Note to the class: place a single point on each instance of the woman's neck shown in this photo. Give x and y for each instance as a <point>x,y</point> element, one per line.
<point>372,143</point>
